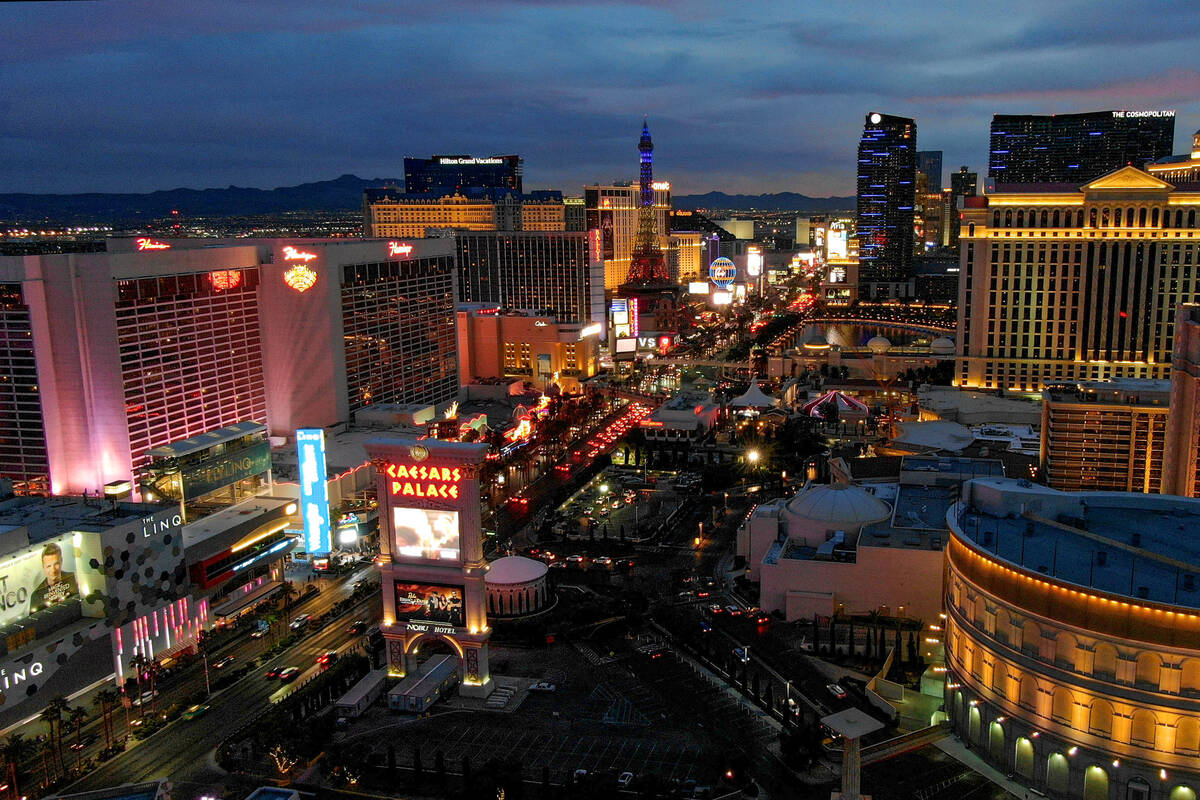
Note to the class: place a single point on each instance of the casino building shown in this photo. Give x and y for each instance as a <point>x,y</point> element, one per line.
<point>115,354</point>
<point>1073,638</point>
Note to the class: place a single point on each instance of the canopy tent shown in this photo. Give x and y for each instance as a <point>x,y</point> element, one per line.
<point>753,398</point>
<point>845,404</point>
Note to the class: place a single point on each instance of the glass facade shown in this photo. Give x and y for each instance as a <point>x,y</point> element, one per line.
<point>887,169</point>
<point>22,430</point>
<point>191,355</point>
<point>546,273</point>
<point>398,320</point>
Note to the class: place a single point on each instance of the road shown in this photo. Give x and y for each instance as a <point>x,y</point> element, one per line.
<point>183,750</point>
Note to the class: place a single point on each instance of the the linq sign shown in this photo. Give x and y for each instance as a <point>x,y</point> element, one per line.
<point>435,483</point>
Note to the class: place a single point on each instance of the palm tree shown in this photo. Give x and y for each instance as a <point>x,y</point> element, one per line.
<point>138,664</point>
<point>52,715</point>
<point>288,593</point>
<point>106,700</point>
<point>14,749</point>
<point>78,715</point>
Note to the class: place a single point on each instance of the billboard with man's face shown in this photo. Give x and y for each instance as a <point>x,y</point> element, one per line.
<point>430,602</point>
<point>39,577</point>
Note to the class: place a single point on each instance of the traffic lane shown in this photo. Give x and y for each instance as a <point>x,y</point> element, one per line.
<point>180,750</point>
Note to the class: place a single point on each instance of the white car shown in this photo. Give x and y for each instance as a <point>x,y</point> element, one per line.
<point>624,779</point>
<point>603,561</point>
<point>543,686</point>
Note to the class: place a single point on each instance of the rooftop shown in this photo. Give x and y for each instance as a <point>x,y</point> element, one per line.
<point>1122,391</point>
<point>1133,545</point>
<point>47,517</point>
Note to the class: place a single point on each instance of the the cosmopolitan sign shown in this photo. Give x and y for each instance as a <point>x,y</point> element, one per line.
<point>418,480</point>
<point>1140,114</point>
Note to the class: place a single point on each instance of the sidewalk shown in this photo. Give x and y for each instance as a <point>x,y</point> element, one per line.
<point>954,747</point>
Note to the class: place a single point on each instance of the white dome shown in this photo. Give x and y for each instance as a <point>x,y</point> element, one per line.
<point>879,344</point>
<point>838,503</point>
<point>942,346</point>
<point>512,570</point>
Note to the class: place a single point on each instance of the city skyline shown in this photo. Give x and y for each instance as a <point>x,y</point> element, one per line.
<point>162,98</point>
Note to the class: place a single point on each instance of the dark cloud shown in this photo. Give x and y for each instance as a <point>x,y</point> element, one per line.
<point>141,95</point>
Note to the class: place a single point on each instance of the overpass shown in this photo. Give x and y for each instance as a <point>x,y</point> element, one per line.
<point>918,327</point>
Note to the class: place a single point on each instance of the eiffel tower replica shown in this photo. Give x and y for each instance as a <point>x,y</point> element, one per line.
<point>648,278</point>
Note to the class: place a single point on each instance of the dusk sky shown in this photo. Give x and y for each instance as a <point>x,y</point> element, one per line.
<point>741,97</point>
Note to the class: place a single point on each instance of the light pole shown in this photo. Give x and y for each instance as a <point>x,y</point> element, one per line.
<point>207,686</point>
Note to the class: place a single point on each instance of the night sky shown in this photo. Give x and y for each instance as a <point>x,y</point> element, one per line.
<point>742,96</point>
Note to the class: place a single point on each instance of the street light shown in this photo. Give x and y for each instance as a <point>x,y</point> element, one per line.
<point>752,456</point>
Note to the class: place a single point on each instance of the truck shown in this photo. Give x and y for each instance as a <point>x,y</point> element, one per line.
<point>416,693</point>
<point>361,695</point>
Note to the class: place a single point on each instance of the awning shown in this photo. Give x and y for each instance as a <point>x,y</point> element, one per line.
<point>242,601</point>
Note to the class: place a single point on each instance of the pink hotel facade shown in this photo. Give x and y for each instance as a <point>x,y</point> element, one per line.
<point>111,354</point>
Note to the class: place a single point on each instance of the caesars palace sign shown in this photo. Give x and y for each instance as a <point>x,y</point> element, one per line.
<point>435,483</point>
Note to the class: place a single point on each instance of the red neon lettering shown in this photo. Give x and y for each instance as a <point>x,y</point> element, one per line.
<point>292,254</point>
<point>423,481</point>
<point>399,249</point>
<point>150,244</point>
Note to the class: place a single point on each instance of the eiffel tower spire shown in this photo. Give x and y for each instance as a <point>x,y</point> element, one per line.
<point>646,265</point>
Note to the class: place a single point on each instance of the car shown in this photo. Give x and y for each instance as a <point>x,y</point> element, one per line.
<point>733,611</point>
<point>274,671</point>
<point>742,655</point>
<point>300,622</point>
<point>603,512</point>
<point>580,775</point>
<point>195,712</point>
<point>703,593</point>
<point>624,779</point>
<point>625,563</point>
<point>543,686</point>
<point>705,627</point>
<point>223,663</point>
<point>575,560</point>
<point>327,659</point>
<point>145,699</point>
<point>763,619</point>
<point>558,565</point>
<point>836,691</point>
<point>715,609</point>
<point>356,628</point>
<point>259,633</point>
<point>288,674</point>
<point>603,561</point>
<point>616,504</point>
<point>83,742</point>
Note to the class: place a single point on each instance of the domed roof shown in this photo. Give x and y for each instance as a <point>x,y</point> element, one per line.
<point>879,344</point>
<point>942,346</point>
<point>513,570</point>
<point>839,503</point>
<point>815,340</point>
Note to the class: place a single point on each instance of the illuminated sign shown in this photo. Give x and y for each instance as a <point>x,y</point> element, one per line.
<point>423,627</point>
<point>540,323</point>
<point>1139,114</point>
<point>439,483</point>
<point>150,244</point>
<point>292,254</point>
<point>467,162</point>
<point>226,470</point>
<point>722,298</point>
<point>698,287</point>
<point>661,186</point>
<point>425,533</point>
<point>314,493</point>
<point>624,313</point>
<point>223,279</point>
<point>838,245</point>
<point>151,526</point>
<point>399,249</point>
<point>300,278</point>
<point>722,272</point>
<point>43,575</point>
<point>589,330</point>
<point>754,262</point>
<point>430,602</point>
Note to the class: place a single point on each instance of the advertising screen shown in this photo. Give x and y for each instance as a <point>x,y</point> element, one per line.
<point>697,287</point>
<point>39,577</point>
<point>607,242</point>
<point>314,493</point>
<point>431,602</point>
<point>838,241</point>
<point>426,533</point>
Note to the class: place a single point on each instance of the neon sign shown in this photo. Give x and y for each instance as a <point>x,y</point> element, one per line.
<point>223,279</point>
<point>399,249</point>
<point>314,493</point>
<point>150,244</point>
<point>438,483</point>
<point>300,278</point>
<point>292,254</point>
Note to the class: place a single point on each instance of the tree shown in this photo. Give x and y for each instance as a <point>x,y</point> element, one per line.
<point>78,715</point>
<point>52,714</point>
<point>14,750</point>
<point>106,700</point>
<point>288,592</point>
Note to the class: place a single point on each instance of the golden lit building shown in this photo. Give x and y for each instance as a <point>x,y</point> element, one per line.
<point>1181,462</point>
<point>686,257</point>
<point>1073,638</point>
<point>1179,169</point>
<point>1073,284</point>
<point>391,213</point>
<point>510,344</point>
<point>613,212</point>
<point>1105,435</point>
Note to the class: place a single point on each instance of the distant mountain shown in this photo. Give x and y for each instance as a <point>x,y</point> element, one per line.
<point>782,201</point>
<point>341,194</point>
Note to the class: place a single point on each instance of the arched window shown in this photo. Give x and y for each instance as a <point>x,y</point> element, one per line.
<point>971,229</point>
<point>1079,219</point>
<point>1149,666</point>
<point>1095,783</point>
<point>1142,217</point>
<point>1028,692</point>
<point>1187,735</point>
<point>1137,789</point>
<point>1105,663</point>
<point>1055,218</point>
<point>1192,218</point>
<point>1154,218</point>
<point>1105,217</point>
<point>1100,718</point>
<point>1129,218</point>
<point>1063,707</point>
<point>1000,679</point>
<point>1182,792</point>
<point>1092,218</point>
<point>1189,678</point>
<point>1008,218</point>
<point>1058,773</point>
<point>1179,218</point>
<point>1031,638</point>
<point>1143,728</point>
<point>1020,218</point>
<point>1064,650</point>
<point>995,219</point>
<point>1023,758</point>
<point>1045,218</point>
<point>1118,215</point>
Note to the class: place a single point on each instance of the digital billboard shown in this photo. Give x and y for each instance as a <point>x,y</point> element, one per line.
<point>432,602</point>
<point>425,533</point>
<point>314,493</point>
<point>838,241</point>
<point>40,577</point>
<point>607,241</point>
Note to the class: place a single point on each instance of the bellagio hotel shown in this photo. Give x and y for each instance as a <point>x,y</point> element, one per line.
<point>1075,283</point>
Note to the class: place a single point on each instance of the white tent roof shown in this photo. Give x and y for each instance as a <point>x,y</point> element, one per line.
<point>753,398</point>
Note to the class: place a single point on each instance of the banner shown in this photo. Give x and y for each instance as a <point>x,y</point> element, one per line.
<point>431,602</point>
<point>39,577</point>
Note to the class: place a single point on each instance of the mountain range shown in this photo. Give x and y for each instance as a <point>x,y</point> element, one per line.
<point>341,194</point>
